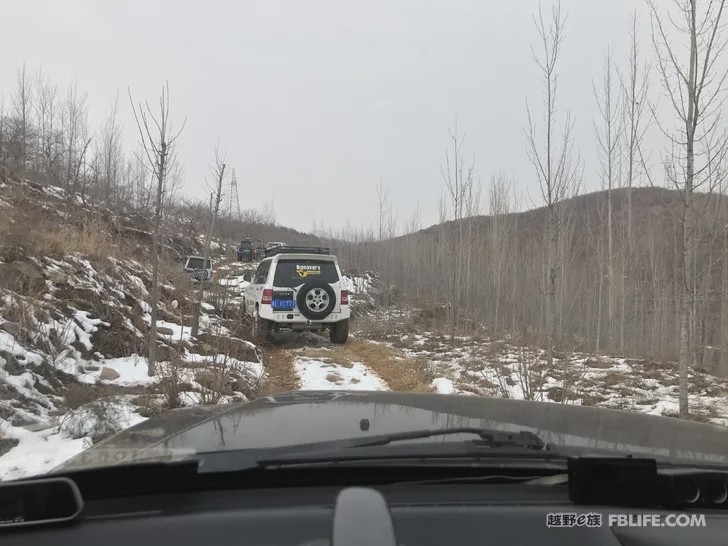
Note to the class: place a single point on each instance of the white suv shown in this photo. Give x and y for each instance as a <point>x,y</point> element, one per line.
<point>297,288</point>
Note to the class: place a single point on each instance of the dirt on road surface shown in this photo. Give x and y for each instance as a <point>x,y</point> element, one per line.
<point>280,373</point>
<point>397,371</point>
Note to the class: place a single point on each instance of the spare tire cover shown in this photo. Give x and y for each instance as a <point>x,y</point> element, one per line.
<point>316,300</point>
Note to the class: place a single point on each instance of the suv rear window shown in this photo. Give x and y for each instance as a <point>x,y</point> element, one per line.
<point>296,272</point>
<point>196,263</point>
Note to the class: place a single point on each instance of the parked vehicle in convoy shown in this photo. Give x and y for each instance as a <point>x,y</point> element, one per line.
<point>274,244</point>
<point>195,269</point>
<point>297,289</point>
<point>246,251</point>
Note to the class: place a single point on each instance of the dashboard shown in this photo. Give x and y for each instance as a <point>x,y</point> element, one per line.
<point>401,514</point>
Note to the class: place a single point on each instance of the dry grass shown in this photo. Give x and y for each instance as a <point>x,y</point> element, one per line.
<point>613,379</point>
<point>37,232</point>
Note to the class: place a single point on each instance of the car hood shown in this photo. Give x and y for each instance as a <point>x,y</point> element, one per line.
<point>301,417</point>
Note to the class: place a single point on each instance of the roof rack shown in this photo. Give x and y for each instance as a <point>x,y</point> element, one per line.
<point>296,250</point>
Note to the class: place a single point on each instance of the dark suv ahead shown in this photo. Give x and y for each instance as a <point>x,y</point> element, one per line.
<point>245,251</point>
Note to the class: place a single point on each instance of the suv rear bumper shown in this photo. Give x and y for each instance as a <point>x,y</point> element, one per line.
<point>294,319</point>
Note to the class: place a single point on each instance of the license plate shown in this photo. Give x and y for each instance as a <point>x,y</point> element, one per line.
<point>283,304</point>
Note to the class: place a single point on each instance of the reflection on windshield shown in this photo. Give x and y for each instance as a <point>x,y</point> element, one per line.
<point>270,425</point>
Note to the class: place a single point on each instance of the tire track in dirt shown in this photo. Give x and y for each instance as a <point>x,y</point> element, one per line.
<point>280,373</point>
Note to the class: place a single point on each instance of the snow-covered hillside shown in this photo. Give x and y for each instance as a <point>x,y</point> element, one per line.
<point>74,322</point>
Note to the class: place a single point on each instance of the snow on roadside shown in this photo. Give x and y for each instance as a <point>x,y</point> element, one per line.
<point>10,345</point>
<point>37,452</point>
<point>323,374</point>
<point>499,368</point>
<point>442,385</point>
<point>132,370</point>
<point>356,284</point>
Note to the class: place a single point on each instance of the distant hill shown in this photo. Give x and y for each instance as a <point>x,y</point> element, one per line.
<point>495,271</point>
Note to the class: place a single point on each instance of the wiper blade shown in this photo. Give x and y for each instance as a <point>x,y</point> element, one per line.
<point>488,438</point>
<point>494,442</point>
<point>417,454</point>
<point>497,443</point>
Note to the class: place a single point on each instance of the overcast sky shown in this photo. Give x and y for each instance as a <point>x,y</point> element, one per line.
<point>314,100</point>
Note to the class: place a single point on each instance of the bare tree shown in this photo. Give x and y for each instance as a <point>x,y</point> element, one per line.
<point>22,108</point>
<point>3,142</point>
<point>459,184</point>
<point>49,147</point>
<point>112,155</point>
<point>553,158</point>
<point>216,196</point>
<point>634,90</point>
<point>607,130</point>
<point>695,88</point>
<point>723,322</point>
<point>499,207</point>
<point>383,202</point>
<point>74,128</point>
<point>415,222</point>
<point>159,142</point>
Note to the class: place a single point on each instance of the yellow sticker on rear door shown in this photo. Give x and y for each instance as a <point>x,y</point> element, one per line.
<point>304,271</point>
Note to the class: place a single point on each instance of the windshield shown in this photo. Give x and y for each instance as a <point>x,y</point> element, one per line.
<point>196,263</point>
<point>456,202</point>
<point>291,273</point>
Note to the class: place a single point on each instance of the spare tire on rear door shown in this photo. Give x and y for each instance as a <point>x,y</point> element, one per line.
<point>316,300</point>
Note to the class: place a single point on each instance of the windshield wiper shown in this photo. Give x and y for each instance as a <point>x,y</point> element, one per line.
<point>487,444</point>
<point>488,438</point>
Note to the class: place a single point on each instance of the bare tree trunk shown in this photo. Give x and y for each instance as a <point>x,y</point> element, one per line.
<point>45,113</point>
<point>383,200</point>
<point>112,155</point>
<point>697,96</point>
<point>554,164</point>
<point>215,200</point>
<point>159,143</point>
<point>3,157</point>
<point>600,284</point>
<point>724,300</point>
<point>459,184</point>
<point>607,133</point>
<point>634,89</point>
<point>22,101</point>
<point>154,292</point>
<point>74,127</point>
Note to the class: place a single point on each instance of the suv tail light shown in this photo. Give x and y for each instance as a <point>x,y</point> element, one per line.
<point>344,297</point>
<point>267,296</point>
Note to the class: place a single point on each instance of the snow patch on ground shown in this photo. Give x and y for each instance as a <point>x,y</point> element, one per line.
<point>501,368</point>
<point>37,452</point>
<point>132,370</point>
<point>323,374</point>
<point>356,284</point>
<point>442,385</point>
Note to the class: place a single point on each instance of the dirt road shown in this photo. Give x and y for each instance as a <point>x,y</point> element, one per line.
<point>309,362</point>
